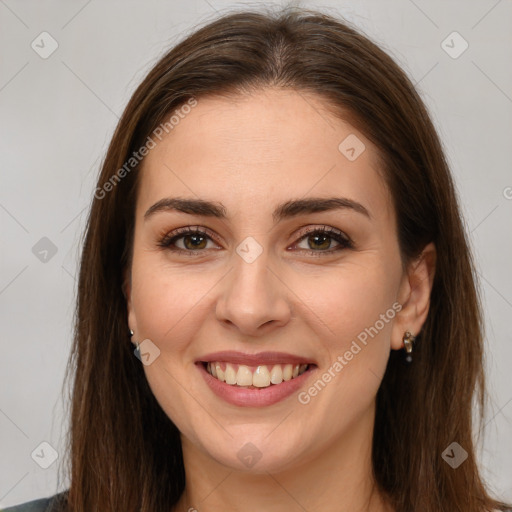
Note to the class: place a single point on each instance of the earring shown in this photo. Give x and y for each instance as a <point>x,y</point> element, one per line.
<point>136,343</point>
<point>408,340</point>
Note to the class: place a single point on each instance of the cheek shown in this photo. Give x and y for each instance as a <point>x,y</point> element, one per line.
<point>353,307</point>
<point>349,301</point>
<point>168,306</point>
<point>357,315</point>
<point>167,302</point>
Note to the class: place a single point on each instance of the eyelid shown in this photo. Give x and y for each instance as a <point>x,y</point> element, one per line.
<point>187,230</point>
<point>324,229</point>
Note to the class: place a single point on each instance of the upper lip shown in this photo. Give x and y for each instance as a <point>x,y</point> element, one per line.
<point>260,358</point>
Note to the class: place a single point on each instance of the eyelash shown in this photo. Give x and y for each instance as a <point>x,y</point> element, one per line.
<point>169,239</point>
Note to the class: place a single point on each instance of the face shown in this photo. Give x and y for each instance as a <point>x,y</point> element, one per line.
<point>273,287</point>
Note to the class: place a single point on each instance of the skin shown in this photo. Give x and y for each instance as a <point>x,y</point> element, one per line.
<point>240,152</point>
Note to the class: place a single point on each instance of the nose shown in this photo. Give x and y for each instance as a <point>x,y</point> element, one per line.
<point>254,298</point>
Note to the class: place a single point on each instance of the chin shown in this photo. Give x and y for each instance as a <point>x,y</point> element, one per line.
<point>256,451</point>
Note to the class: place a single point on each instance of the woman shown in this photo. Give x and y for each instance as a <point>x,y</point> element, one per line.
<point>276,232</point>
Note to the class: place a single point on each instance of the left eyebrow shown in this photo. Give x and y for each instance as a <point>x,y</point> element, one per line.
<point>317,204</point>
<point>289,209</point>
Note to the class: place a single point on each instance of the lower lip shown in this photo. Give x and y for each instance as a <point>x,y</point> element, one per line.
<point>245,397</point>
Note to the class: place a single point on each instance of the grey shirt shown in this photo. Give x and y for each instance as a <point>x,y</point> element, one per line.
<point>40,505</point>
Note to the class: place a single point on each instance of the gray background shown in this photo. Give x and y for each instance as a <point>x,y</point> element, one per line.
<point>58,114</point>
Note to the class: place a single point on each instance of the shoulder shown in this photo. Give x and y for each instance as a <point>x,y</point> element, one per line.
<point>30,506</point>
<point>40,505</point>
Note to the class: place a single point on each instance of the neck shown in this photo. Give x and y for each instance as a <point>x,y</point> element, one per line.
<point>337,479</point>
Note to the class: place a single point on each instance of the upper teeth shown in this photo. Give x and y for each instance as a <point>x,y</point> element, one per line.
<point>260,376</point>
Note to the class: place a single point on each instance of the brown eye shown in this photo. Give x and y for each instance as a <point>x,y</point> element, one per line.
<point>320,240</point>
<point>194,241</point>
<point>191,240</point>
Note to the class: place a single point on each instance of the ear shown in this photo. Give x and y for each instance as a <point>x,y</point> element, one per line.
<point>414,296</point>
<point>127,292</point>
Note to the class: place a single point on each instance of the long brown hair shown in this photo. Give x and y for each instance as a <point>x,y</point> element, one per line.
<point>124,452</point>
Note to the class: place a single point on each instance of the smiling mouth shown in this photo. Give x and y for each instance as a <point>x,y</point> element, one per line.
<point>254,377</point>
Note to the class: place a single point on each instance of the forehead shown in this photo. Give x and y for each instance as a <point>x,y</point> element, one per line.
<point>247,150</point>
